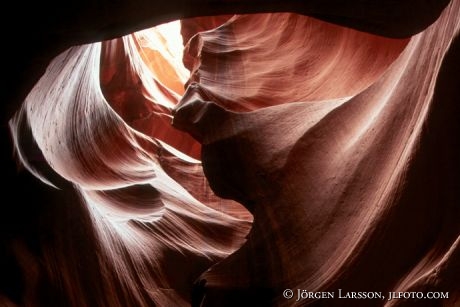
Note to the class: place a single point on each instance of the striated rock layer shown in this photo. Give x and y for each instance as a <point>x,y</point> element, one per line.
<point>342,173</point>
<point>268,152</point>
<point>129,182</point>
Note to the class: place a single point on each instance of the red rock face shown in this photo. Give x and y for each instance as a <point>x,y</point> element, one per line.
<point>281,152</point>
<point>334,169</point>
<point>257,61</point>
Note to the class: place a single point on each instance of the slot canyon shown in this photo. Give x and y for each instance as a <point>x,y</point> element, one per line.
<point>221,153</point>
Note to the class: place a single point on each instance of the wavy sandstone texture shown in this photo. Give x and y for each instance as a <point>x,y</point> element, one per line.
<point>278,151</point>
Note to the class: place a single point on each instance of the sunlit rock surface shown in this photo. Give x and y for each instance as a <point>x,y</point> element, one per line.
<point>342,178</point>
<point>332,155</point>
